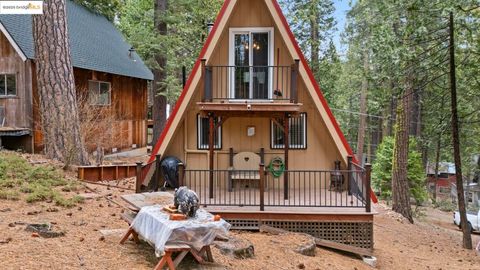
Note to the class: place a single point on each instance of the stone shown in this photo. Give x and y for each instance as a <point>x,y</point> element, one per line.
<point>43,230</point>
<point>308,248</point>
<point>238,248</point>
<point>370,260</point>
<point>31,213</point>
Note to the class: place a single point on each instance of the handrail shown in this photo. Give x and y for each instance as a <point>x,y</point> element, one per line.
<point>259,188</point>
<point>262,82</point>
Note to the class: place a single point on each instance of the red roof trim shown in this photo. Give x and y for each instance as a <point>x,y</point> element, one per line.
<point>316,86</point>
<point>189,81</point>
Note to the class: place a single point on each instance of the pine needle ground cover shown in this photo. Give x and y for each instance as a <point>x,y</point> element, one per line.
<point>20,180</point>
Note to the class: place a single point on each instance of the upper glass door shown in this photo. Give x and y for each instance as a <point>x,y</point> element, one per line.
<point>251,64</point>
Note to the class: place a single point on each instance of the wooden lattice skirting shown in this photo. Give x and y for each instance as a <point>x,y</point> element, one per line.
<point>357,234</point>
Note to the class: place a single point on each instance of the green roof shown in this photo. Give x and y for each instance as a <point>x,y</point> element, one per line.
<point>95,42</point>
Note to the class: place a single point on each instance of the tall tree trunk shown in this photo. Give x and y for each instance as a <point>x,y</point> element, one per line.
<point>400,186</point>
<point>314,42</point>
<point>476,176</point>
<point>363,110</point>
<point>467,238</point>
<point>160,74</point>
<point>56,86</point>
<point>437,161</point>
<point>393,116</point>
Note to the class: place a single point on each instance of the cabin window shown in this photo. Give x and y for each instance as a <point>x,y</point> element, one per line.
<point>99,93</point>
<point>444,190</point>
<point>203,132</point>
<point>8,85</point>
<point>297,133</point>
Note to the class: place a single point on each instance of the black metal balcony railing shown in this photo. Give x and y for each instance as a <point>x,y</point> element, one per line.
<point>304,188</point>
<point>348,188</point>
<point>272,83</point>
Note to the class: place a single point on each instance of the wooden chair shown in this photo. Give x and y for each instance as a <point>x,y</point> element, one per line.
<point>244,166</point>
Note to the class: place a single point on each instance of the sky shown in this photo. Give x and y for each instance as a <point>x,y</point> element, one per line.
<point>341,8</point>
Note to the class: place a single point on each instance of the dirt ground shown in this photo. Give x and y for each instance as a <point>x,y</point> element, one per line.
<point>431,243</point>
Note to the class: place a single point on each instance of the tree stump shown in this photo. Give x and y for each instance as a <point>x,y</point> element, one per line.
<point>238,248</point>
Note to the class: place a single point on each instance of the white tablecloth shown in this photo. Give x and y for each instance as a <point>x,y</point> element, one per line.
<point>154,225</point>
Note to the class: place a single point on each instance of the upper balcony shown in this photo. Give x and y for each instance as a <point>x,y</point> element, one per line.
<point>250,88</point>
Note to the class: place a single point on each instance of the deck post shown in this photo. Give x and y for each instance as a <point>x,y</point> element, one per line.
<point>262,186</point>
<point>211,141</point>
<point>138,179</point>
<point>368,201</point>
<point>181,174</point>
<point>157,173</point>
<point>286,141</point>
<point>349,175</point>
<point>293,86</point>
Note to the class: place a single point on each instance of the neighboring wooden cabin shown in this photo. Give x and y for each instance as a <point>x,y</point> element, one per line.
<point>109,76</point>
<point>257,139</point>
<point>446,177</point>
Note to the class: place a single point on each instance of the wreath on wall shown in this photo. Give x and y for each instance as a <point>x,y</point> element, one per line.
<point>276,167</point>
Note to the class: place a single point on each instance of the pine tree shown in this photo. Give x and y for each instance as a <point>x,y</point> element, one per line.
<point>56,86</point>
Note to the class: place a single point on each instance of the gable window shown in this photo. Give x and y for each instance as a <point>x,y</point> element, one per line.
<point>203,133</point>
<point>8,85</point>
<point>99,93</point>
<point>297,135</point>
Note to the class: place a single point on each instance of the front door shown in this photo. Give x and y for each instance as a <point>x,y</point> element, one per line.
<point>251,64</point>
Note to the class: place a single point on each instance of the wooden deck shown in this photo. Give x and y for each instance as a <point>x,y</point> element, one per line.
<point>237,203</point>
<point>344,225</point>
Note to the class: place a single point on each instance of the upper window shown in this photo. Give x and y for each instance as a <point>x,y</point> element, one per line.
<point>297,135</point>
<point>203,133</point>
<point>8,85</point>
<point>99,93</point>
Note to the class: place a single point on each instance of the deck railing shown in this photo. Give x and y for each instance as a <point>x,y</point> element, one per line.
<point>259,188</point>
<point>255,83</point>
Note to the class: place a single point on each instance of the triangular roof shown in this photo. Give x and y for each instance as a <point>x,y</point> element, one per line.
<point>292,45</point>
<point>95,43</point>
<point>304,72</point>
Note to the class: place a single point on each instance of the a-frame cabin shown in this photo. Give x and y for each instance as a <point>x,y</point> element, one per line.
<point>250,91</point>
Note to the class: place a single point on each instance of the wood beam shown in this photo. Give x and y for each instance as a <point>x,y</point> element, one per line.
<point>250,107</point>
<point>211,141</point>
<point>286,130</point>
<point>274,120</point>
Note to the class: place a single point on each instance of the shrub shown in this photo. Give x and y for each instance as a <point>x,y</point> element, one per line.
<point>39,183</point>
<point>445,205</point>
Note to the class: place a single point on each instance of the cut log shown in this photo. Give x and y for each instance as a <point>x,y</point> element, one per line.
<point>272,230</point>
<point>343,247</point>
<point>238,248</point>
